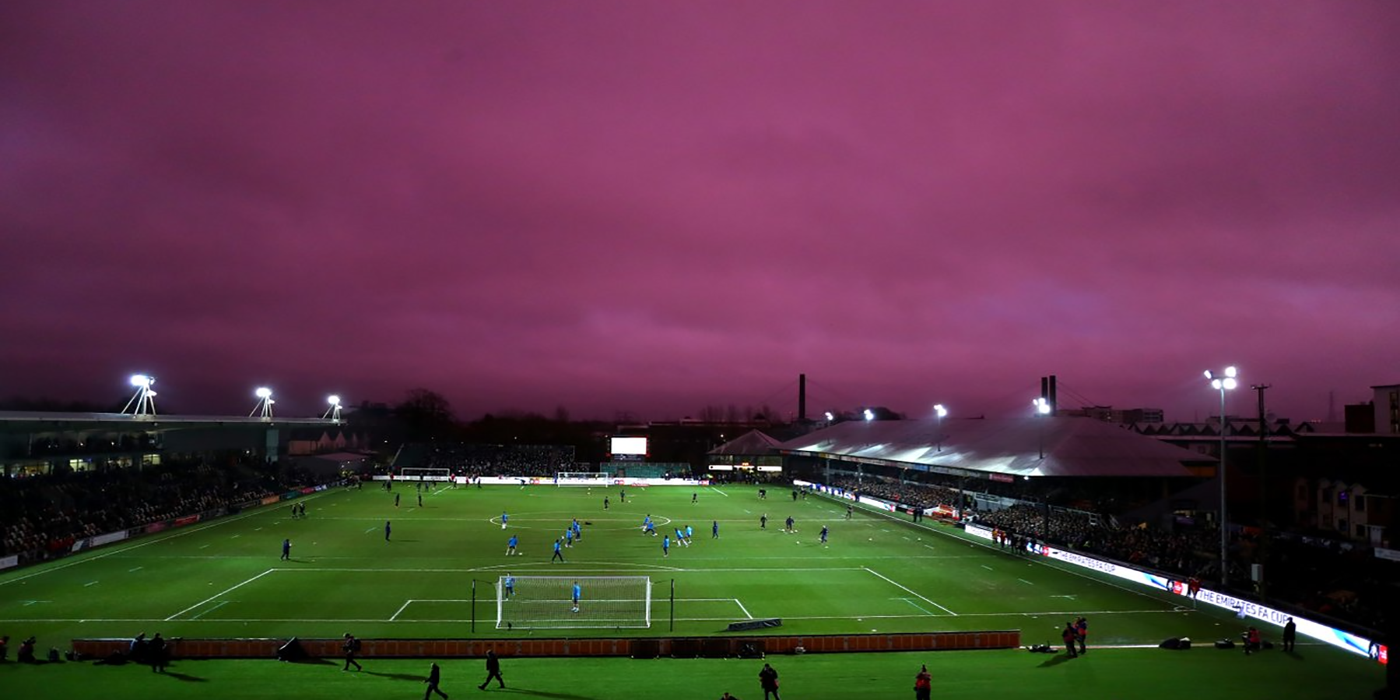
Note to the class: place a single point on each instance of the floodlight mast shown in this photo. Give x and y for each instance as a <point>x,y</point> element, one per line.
<point>1223,382</point>
<point>144,400</point>
<point>332,413</point>
<point>1042,408</point>
<point>264,408</point>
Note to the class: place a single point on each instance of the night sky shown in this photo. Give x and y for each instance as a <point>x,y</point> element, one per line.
<point>651,207</point>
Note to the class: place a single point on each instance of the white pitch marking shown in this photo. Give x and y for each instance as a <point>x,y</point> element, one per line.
<point>221,604</point>
<point>719,492</point>
<point>403,607</point>
<point>204,546</point>
<point>746,610</point>
<point>217,595</point>
<point>988,568</point>
<point>135,570</point>
<point>92,583</point>
<point>235,537</point>
<point>906,588</point>
<point>1028,583</point>
<point>916,605</point>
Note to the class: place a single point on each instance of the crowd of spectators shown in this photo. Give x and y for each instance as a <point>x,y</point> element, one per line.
<point>1315,575</point>
<point>491,460</point>
<point>42,516</point>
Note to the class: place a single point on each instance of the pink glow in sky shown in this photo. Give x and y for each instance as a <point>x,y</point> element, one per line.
<point>657,206</point>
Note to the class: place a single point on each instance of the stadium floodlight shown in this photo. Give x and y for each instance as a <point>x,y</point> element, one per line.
<point>143,402</point>
<point>1042,408</point>
<point>264,408</point>
<point>333,413</point>
<point>546,602</point>
<point>940,410</point>
<point>1223,383</point>
<point>829,417</point>
<point>869,414</point>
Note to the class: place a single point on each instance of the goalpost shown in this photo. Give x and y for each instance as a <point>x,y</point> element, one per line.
<point>546,602</point>
<point>582,479</point>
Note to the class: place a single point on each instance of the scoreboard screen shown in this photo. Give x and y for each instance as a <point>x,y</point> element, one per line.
<point>629,446</point>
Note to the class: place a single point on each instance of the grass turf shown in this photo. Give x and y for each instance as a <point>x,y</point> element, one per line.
<point>224,578</point>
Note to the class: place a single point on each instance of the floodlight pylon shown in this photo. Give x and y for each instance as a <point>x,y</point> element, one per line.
<point>333,413</point>
<point>264,408</point>
<point>143,402</point>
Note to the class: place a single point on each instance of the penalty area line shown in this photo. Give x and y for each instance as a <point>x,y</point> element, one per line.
<point>221,593</point>
<point>910,591</point>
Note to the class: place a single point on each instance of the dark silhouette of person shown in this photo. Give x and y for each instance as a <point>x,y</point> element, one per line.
<point>155,650</point>
<point>350,647</point>
<point>434,677</point>
<point>768,680</point>
<point>1290,634</point>
<point>923,684</point>
<point>493,669</point>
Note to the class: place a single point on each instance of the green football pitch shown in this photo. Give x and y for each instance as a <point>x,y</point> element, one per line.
<point>877,573</point>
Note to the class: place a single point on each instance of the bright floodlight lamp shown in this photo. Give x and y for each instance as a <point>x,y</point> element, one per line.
<point>1222,385</point>
<point>869,414</point>
<point>830,417</point>
<point>264,407</point>
<point>332,413</point>
<point>143,402</point>
<point>940,410</point>
<point>1042,408</point>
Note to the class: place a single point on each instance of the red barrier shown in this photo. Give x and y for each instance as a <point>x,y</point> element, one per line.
<point>471,648</point>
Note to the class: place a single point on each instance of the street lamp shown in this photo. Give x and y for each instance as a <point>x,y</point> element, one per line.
<point>333,412</point>
<point>1042,408</point>
<point>1223,382</point>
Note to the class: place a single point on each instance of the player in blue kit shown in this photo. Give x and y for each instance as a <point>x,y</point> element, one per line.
<point>714,530</point>
<point>666,546</point>
<point>504,519</point>
<point>509,584</point>
<point>558,553</point>
<point>510,545</point>
<point>823,534</point>
<point>578,593</point>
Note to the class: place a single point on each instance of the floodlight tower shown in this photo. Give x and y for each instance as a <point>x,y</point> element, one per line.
<point>1223,382</point>
<point>333,412</point>
<point>940,412</point>
<point>1042,409</point>
<point>869,415</point>
<point>144,400</point>
<point>264,407</point>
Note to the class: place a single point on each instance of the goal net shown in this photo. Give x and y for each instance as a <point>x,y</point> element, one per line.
<point>547,602</point>
<point>426,473</point>
<point>582,479</point>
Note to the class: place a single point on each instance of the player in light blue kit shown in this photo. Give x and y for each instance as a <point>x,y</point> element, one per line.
<point>504,519</point>
<point>666,546</point>
<point>509,584</point>
<point>578,593</point>
<point>510,545</point>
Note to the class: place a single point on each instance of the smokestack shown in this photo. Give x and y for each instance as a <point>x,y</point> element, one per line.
<point>1045,389</point>
<point>802,398</point>
<point>1054,400</point>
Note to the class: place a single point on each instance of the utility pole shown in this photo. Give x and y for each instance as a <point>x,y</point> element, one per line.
<point>1263,457</point>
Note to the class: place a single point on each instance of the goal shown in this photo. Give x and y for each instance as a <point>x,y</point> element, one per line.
<point>546,602</point>
<point>426,473</point>
<point>582,479</point>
